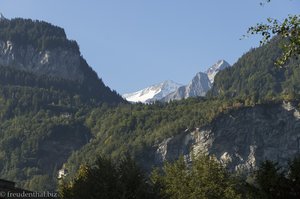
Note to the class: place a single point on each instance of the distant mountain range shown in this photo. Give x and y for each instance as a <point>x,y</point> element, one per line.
<point>153,93</point>
<point>170,90</point>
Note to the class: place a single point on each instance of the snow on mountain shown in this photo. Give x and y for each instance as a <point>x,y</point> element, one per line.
<point>214,69</point>
<point>152,93</point>
<point>199,86</point>
<point>169,90</point>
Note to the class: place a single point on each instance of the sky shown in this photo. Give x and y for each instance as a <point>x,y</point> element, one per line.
<point>133,44</point>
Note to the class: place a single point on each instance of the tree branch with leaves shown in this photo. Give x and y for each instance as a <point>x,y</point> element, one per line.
<point>288,30</point>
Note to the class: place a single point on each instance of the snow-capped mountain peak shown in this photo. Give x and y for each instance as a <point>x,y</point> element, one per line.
<point>199,85</point>
<point>153,93</point>
<point>168,90</point>
<point>214,69</point>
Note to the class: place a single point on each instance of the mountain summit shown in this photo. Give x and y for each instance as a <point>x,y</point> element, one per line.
<point>214,69</point>
<point>199,86</point>
<point>152,93</point>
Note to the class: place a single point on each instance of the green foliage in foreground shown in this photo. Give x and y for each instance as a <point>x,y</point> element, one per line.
<point>273,182</point>
<point>203,178</point>
<point>106,179</point>
<point>288,29</point>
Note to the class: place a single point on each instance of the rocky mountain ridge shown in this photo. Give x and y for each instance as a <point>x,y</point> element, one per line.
<point>242,138</point>
<point>199,86</point>
<point>57,62</point>
<point>214,69</point>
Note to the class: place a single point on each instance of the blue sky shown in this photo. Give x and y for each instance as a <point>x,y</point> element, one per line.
<point>132,44</point>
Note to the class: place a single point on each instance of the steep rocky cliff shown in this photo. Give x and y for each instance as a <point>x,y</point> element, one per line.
<point>199,86</point>
<point>242,138</point>
<point>43,50</point>
<point>214,69</point>
<point>59,62</point>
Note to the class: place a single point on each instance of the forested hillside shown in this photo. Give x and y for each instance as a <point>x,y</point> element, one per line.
<point>36,53</point>
<point>135,129</point>
<point>42,115</point>
<point>256,78</point>
<point>39,34</point>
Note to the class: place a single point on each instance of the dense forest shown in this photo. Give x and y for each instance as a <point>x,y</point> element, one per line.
<point>255,77</point>
<point>204,178</point>
<point>39,34</point>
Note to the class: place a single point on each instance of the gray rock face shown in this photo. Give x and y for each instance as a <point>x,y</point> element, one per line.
<point>214,69</point>
<point>241,139</point>
<point>59,62</point>
<point>177,95</point>
<point>199,86</point>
